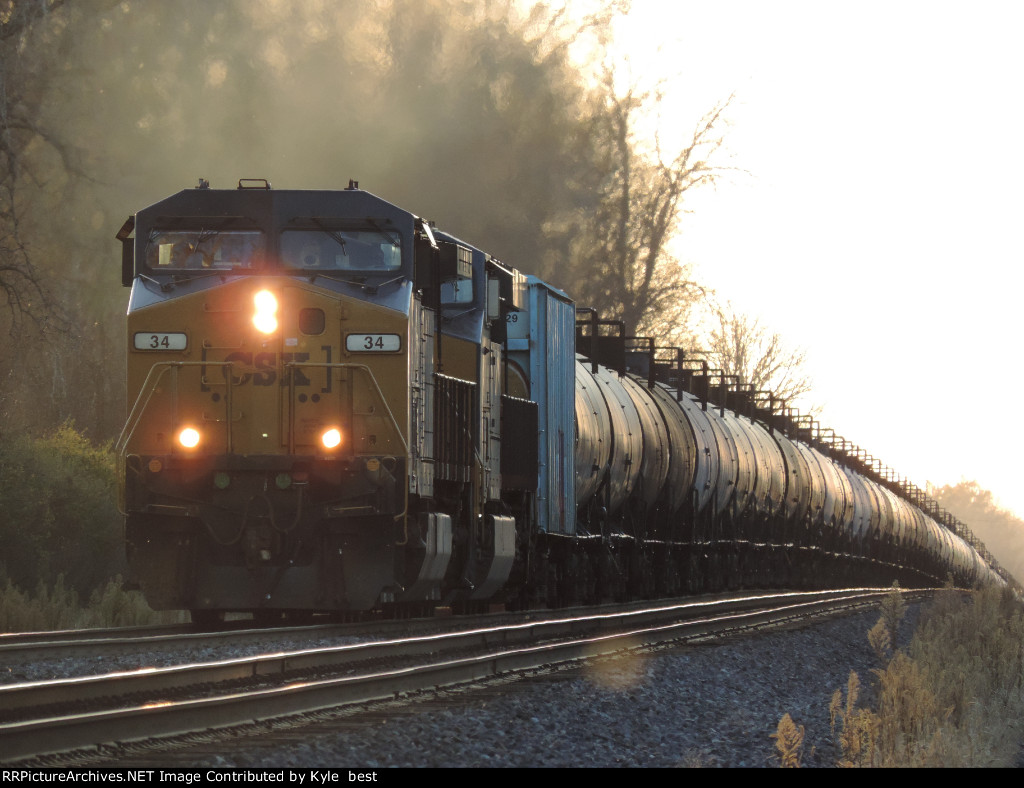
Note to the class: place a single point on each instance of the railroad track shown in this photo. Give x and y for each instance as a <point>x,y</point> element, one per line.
<point>84,645</point>
<point>79,720</point>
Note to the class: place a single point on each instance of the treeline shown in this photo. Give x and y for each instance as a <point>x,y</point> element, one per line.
<point>504,122</point>
<point>1000,530</point>
<point>61,537</point>
<point>486,116</point>
<point>57,493</point>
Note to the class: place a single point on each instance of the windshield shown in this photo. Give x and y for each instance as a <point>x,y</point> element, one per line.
<point>198,250</point>
<point>341,250</point>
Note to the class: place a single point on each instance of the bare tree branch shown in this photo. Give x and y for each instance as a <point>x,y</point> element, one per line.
<point>740,345</point>
<point>22,87</point>
<point>622,266</point>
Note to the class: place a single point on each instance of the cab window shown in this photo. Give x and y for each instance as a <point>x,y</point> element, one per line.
<point>340,250</point>
<point>199,250</point>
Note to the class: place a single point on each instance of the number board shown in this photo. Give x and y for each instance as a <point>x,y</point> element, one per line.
<point>153,340</point>
<point>373,343</point>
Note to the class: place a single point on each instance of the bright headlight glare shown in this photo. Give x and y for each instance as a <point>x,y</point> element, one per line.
<point>265,301</point>
<point>189,437</point>
<point>331,438</point>
<point>265,318</point>
<point>265,323</point>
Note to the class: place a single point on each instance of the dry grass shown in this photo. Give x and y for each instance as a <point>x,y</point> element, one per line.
<point>893,610</point>
<point>789,741</point>
<point>954,698</point>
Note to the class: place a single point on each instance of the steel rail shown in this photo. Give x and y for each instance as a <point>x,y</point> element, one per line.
<point>38,694</point>
<point>161,718</point>
<point>114,639</point>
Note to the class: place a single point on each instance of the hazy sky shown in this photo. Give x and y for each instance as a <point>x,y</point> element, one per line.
<point>880,225</point>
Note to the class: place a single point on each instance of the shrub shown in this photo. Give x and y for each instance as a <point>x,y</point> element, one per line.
<point>59,607</point>
<point>58,512</point>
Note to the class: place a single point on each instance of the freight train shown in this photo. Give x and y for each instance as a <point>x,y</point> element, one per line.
<point>335,406</point>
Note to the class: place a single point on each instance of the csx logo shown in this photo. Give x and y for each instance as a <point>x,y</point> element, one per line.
<point>266,367</point>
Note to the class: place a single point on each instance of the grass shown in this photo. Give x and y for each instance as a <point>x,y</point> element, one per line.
<point>953,698</point>
<point>59,607</point>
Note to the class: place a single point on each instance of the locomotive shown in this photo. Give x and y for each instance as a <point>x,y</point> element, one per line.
<point>336,407</point>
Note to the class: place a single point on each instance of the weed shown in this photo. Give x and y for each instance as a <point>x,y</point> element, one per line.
<point>789,741</point>
<point>880,641</point>
<point>893,610</point>
<point>952,699</point>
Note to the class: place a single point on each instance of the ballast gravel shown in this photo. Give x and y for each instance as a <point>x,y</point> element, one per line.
<point>712,705</point>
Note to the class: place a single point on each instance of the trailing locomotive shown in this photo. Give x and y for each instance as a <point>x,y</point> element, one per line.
<point>337,407</point>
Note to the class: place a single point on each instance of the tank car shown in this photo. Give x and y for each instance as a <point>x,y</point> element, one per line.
<point>334,406</point>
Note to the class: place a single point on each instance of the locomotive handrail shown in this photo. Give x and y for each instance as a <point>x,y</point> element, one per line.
<point>156,372</point>
<point>335,365</point>
<point>149,387</point>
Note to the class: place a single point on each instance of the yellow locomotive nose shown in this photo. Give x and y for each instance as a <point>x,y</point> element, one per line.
<point>265,318</point>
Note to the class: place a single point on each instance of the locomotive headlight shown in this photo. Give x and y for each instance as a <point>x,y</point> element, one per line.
<point>265,318</point>
<point>331,438</point>
<point>189,437</point>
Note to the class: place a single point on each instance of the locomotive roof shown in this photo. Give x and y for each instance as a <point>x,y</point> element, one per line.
<point>274,207</point>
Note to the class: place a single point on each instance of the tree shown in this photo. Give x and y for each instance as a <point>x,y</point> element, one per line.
<point>739,345</point>
<point>473,113</point>
<point>999,529</point>
<point>621,264</point>
<point>469,113</point>
<point>22,89</point>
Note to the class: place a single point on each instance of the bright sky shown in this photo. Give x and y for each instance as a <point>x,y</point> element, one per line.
<point>880,225</point>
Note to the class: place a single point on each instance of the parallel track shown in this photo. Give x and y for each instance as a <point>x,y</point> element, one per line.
<point>68,720</point>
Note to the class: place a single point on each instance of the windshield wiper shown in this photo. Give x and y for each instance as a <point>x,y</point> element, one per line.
<point>338,237</point>
<point>203,237</point>
<point>359,282</point>
<point>179,277</point>
<point>396,240</point>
